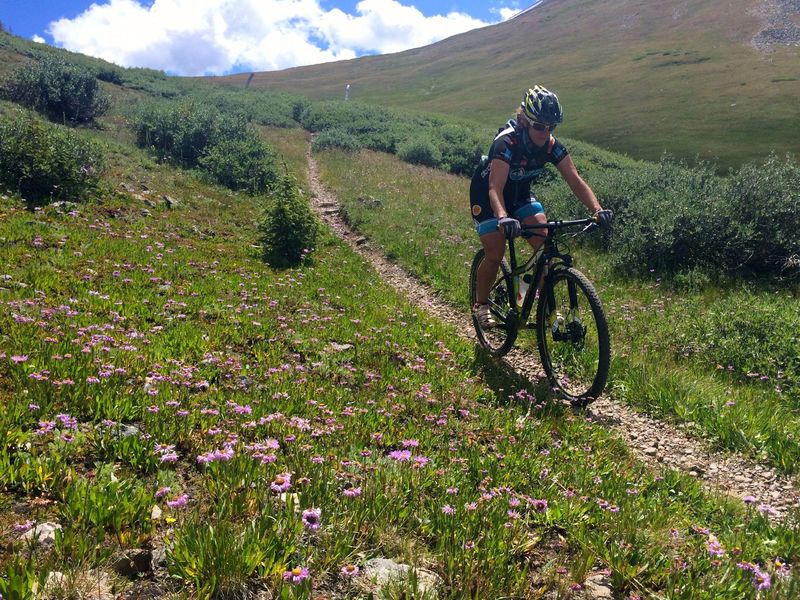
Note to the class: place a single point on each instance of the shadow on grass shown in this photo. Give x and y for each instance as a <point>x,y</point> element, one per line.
<point>513,389</point>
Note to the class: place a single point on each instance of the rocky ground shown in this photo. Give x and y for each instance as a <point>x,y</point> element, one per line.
<point>781,20</point>
<point>652,441</point>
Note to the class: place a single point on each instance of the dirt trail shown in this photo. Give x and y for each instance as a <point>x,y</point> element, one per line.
<point>652,441</point>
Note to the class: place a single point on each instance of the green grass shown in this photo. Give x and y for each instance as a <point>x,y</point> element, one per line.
<point>167,321</point>
<point>423,223</point>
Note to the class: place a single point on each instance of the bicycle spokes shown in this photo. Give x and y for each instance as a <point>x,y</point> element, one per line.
<point>499,338</point>
<point>573,337</point>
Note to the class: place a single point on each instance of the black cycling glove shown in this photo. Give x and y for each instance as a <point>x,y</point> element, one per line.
<point>604,217</point>
<point>511,227</point>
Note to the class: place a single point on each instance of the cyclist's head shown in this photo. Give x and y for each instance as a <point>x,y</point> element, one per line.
<point>540,105</point>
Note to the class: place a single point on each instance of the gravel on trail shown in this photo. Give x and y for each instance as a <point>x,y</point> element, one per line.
<point>652,441</point>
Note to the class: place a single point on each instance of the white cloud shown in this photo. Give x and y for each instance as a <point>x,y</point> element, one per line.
<point>194,37</point>
<point>38,39</point>
<point>507,13</point>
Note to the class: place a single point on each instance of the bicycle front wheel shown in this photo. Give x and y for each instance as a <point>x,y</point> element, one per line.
<point>572,333</point>
<point>500,338</point>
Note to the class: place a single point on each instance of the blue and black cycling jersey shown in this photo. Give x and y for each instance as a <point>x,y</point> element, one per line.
<point>526,163</point>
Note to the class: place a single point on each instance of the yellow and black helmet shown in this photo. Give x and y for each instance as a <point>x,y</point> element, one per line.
<point>542,106</point>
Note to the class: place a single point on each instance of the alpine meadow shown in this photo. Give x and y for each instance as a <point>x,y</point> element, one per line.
<point>211,388</point>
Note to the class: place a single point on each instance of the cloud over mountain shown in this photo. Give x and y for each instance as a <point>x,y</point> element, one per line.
<point>203,37</point>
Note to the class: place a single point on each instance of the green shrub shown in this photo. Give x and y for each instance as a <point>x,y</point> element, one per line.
<point>272,108</point>
<point>178,133</point>
<point>461,149</point>
<point>763,200</point>
<point>288,229</point>
<point>195,135</point>
<point>455,146</point>
<point>110,76</point>
<point>420,151</point>
<point>44,162</point>
<point>336,138</point>
<point>241,164</point>
<point>673,218</point>
<point>60,90</point>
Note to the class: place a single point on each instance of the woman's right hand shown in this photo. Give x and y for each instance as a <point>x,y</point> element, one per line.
<point>511,227</point>
<point>604,217</point>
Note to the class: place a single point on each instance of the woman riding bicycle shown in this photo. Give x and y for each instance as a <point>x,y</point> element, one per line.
<point>500,191</point>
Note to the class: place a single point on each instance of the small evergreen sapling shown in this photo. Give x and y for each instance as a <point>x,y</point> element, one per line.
<point>289,229</point>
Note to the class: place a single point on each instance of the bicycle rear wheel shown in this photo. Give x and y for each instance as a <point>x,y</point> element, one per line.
<point>572,333</point>
<point>497,340</point>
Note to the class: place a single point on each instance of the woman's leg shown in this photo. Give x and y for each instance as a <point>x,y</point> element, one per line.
<point>494,245</point>
<point>536,241</point>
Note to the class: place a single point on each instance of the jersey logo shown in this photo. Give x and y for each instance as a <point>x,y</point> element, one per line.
<point>476,210</point>
<point>522,173</point>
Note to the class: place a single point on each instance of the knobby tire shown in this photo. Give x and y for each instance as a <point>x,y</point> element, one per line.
<point>499,339</point>
<point>576,366</point>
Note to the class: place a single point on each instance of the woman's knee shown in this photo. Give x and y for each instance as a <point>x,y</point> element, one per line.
<point>537,219</point>
<point>494,246</point>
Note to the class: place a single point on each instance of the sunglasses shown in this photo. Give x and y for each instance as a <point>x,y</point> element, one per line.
<point>542,126</point>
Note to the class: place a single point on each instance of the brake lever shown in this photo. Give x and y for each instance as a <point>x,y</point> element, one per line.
<point>584,230</point>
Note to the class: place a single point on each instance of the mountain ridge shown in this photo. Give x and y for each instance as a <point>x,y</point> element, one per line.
<point>638,77</point>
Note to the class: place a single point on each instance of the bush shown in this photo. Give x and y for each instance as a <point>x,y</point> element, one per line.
<point>224,145</point>
<point>431,140</point>
<point>44,162</point>
<point>246,164</point>
<point>289,228</point>
<point>764,203</point>
<point>420,151</point>
<point>60,90</point>
<point>461,149</point>
<point>110,76</point>
<point>180,134</point>
<point>673,218</point>
<point>336,138</point>
<point>272,108</point>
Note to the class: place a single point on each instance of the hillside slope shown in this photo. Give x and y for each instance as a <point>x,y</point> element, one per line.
<point>698,78</point>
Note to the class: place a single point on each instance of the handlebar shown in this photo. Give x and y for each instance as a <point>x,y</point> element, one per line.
<point>528,230</point>
<point>559,224</point>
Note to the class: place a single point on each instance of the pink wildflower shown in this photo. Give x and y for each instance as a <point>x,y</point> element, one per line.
<point>312,518</point>
<point>282,483</point>
<point>349,571</point>
<point>178,502</point>
<point>296,575</point>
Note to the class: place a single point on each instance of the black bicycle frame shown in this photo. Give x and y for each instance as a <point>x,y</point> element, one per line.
<point>542,259</point>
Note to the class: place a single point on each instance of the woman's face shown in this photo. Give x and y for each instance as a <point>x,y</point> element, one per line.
<point>539,135</point>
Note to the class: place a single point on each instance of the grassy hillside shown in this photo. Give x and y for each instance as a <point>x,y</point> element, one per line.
<point>245,431</point>
<point>637,77</point>
<point>164,392</point>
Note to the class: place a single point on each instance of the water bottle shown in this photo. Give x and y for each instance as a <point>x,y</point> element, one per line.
<point>522,289</point>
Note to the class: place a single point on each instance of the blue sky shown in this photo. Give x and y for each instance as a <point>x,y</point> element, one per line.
<point>205,37</point>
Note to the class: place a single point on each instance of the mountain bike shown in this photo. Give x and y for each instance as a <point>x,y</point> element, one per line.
<point>571,326</point>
